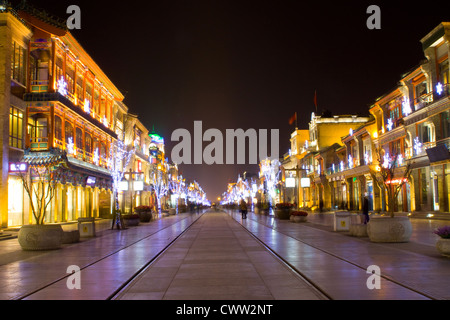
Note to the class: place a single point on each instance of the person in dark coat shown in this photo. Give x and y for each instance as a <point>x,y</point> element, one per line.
<point>243,207</point>
<point>366,209</point>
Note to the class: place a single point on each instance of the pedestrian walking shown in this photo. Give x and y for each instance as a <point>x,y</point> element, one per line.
<point>243,208</point>
<point>366,209</point>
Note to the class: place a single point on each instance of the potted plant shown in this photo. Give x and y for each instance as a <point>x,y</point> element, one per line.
<point>283,210</point>
<point>131,219</point>
<point>299,216</point>
<point>144,213</point>
<point>443,243</point>
<point>40,184</point>
<point>390,177</point>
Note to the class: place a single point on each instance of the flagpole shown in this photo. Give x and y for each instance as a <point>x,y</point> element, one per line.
<point>296,125</point>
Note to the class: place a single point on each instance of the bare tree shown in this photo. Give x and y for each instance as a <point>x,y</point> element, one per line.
<point>40,183</point>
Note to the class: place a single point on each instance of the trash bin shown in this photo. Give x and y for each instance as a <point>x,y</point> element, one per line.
<point>86,226</point>
<point>341,221</point>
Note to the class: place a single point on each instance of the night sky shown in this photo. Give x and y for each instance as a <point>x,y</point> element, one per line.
<point>248,64</point>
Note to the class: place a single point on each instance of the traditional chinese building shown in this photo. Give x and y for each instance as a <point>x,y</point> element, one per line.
<point>61,110</point>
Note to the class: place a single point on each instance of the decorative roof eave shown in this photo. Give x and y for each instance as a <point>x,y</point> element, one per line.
<point>77,49</point>
<point>41,19</point>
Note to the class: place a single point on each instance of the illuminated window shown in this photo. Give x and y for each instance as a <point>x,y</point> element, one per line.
<point>443,72</point>
<point>15,128</point>
<point>37,128</point>
<point>18,61</point>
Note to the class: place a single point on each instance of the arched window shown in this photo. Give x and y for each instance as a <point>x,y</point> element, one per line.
<point>102,150</point>
<point>68,131</point>
<point>87,143</point>
<point>79,138</point>
<point>58,128</point>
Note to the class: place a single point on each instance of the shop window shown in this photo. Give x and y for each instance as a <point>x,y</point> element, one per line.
<point>15,128</point>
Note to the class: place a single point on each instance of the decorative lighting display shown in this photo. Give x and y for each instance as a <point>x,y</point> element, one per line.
<point>350,161</point>
<point>87,107</point>
<point>390,124</point>
<point>70,146</point>
<point>406,107</point>
<point>341,165</point>
<point>62,86</point>
<point>366,157</point>
<point>417,145</point>
<point>439,88</point>
<point>400,159</point>
<point>105,122</point>
<point>95,158</point>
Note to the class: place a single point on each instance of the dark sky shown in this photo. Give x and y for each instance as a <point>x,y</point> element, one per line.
<point>248,64</point>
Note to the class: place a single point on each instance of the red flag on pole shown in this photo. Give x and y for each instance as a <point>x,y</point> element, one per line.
<point>293,118</point>
<point>315,99</point>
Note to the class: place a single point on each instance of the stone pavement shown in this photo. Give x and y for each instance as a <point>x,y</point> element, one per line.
<point>217,259</point>
<point>337,262</point>
<point>106,261</point>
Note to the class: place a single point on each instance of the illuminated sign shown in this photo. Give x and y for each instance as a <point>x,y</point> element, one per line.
<point>290,182</point>
<point>18,167</point>
<point>90,181</point>
<point>123,185</point>
<point>305,183</point>
<point>396,181</point>
<point>138,185</point>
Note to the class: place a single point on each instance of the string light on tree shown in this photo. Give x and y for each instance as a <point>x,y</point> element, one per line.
<point>386,161</point>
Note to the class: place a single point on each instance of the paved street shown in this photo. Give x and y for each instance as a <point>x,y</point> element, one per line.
<point>214,257</point>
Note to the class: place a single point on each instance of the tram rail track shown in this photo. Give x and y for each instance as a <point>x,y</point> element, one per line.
<point>407,286</point>
<point>115,252</point>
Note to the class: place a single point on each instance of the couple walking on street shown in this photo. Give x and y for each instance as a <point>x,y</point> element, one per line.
<point>243,208</point>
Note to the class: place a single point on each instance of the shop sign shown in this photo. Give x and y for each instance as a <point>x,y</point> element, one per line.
<point>18,167</point>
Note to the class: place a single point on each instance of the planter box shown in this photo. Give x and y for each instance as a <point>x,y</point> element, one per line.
<point>443,246</point>
<point>358,230</point>
<point>40,237</point>
<point>71,236</point>
<point>145,216</point>
<point>299,218</point>
<point>387,229</point>
<point>283,214</point>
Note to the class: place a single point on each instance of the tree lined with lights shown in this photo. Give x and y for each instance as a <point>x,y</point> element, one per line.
<point>270,169</point>
<point>119,158</point>
<point>159,185</point>
<point>390,166</point>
